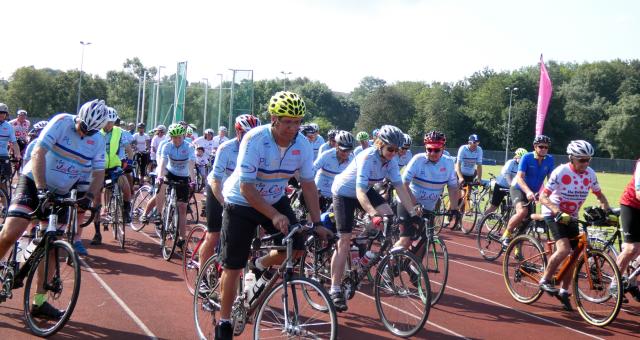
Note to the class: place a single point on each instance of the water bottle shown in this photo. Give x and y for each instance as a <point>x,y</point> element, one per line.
<point>30,248</point>
<point>249,281</point>
<point>540,227</point>
<point>367,258</point>
<point>355,255</point>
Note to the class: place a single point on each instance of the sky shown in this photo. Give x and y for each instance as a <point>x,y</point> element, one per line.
<point>332,41</point>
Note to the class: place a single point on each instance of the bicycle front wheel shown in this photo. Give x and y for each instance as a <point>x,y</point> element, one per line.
<point>436,262</point>
<point>289,315</point>
<point>139,202</point>
<point>4,205</point>
<point>206,300</point>
<point>523,267</point>
<point>402,293</point>
<point>490,231</point>
<point>469,213</point>
<point>117,220</point>
<point>192,210</point>
<point>597,288</point>
<point>316,265</point>
<point>191,256</point>
<point>169,234</point>
<point>62,288</point>
<point>441,221</point>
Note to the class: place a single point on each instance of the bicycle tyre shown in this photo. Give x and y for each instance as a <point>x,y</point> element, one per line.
<point>490,229</point>
<point>601,282</point>
<point>191,256</point>
<point>320,274</point>
<point>139,202</point>
<point>436,262</point>
<point>206,303</point>
<point>69,260</point>
<point>400,263</point>
<point>525,258</point>
<point>169,234</point>
<point>273,304</point>
<point>469,215</point>
<point>440,222</point>
<point>193,214</point>
<point>5,201</point>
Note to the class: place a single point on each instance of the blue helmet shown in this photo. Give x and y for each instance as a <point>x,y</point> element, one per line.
<point>474,138</point>
<point>374,133</point>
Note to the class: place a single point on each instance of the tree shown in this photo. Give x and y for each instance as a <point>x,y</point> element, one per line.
<point>385,105</point>
<point>122,94</point>
<point>367,86</point>
<point>28,89</point>
<point>619,134</point>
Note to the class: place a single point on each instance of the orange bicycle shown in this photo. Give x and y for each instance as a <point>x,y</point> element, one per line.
<point>597,288</point>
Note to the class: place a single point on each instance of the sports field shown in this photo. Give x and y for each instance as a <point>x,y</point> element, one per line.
<point>612,185</point>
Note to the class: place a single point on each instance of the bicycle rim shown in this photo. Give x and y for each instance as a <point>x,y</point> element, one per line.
<point>4,205</point>
<point>191,256</point>
<point>206,303</point>
<point>140,200</point>
<point>436,263</point>
<point>440,221</point>
<point>305,321</point>
<point>169,235</point>
<point>403,304</point>
<point>490,231</point>
<point>469,215</point>
<point>65,284</point>
<point>597,288</point>
<point>320,273</point>
<point>192,210</point>
<point>523,267</point>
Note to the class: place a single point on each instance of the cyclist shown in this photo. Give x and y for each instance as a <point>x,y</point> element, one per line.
<point>630,220</point>
<point>188,137</point>
<point>177,162</point>
<point>223,166</point>
<point>331,163</point>
<point>311,132</point>
<point>33,135</point>
<point>405,154</point>
<point>562,197</point>
<point>142,144</point>
<point>206,141</point>
<point>503,182</point>
<point>158,196</point>
<point>161,131</point>
<point>67,142</point>
<point>424,178</point>
<point>330,143</point>
<point>354,187</point>
<point>201,163</point>
<point>219,139</point>
<point>363,139</point>
<point>254,195</point>
<point>115,161</point>
<point>469,162</point>
<point>7,139</point>
<point>532,170</point>
<point>374,135</point>
<point>128,145</point>
<point>21,128</point>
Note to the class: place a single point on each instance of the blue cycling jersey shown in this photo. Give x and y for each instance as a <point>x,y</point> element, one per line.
<point>324,147</point>
<point>366,169</point>
<point>327,167</point>
<point>404,159</point>
<point>262,162</point>
<point>7,134</point>
<point>126,138</point>
<point>27,152</point>
<point>534,170</point>
<point>225,162</point>
<point>359,149</point>
<point>176,158</point>
<point>508,172</point>
<point>69,157</point>
<point>427,179</point>
<point>316,144</point>
<point>469,159</point>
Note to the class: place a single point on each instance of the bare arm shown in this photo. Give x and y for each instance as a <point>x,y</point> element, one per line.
<point>216,187</point>
<point>453,194</point>
<point>97,182</point>
<point>16,151</point>
<point>311,200</point>
<point>523,185</point>
<point>458,172</point>
<point>479,172</point>
<point>39,164</point>
<point>604,203</point>
<point>406,198</point>
<point>544,199</point>
<point>192,171</point>
<point>364,202</point>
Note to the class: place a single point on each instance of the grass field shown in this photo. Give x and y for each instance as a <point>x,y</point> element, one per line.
<point>612,185</point>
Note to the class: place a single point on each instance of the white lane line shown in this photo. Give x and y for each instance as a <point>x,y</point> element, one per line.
<point>522,312</point>
<point>124,306</point>
<point>428,322</point>
<point>478,268</point>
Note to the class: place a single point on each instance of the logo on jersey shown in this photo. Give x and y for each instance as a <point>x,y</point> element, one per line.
<point>248,168</point>
<point>91,142</point>
<point>295,152</point>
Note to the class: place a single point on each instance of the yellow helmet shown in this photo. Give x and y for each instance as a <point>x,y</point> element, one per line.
<point>287,104</point>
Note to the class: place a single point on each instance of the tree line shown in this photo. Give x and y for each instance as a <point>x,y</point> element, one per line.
<point>598,101</point>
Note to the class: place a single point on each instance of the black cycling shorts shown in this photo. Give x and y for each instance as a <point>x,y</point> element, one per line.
<point>5,167</point>
<point>559,230</point>
<point>498,195</point>
<point>25,201</point>
<point>239,228</point>
<point>518,195</point>
<point>407,227</point>
<point>345,207</point>
<point>214,212</point>
<point>182,190</point>
<point>630,220</point>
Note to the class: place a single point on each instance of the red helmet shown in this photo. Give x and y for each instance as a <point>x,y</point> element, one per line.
<point>435,138</point>
<point>246,122</point>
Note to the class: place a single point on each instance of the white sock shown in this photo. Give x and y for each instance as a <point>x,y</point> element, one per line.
<point>335,289</point>
<point>259,264</point>
<point>224,320</point>
<point>563,291</point>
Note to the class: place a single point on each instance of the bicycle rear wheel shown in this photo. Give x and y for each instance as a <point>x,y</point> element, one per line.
<point>303,320</point>
<point>441,221</point>
<point>490,229</point>
<point>117,223</point>
<point>206,302</point>
<point>192,210</point>
<point>402,303</point>
<point>139,202</point>
<point>316,265</point>
<point>523,267</point>
<point>191,256</point>
<point>4,205</point>
<point>469,212</point>
<point>597,288</point>
<point>62,291</point>
<point>169,234</point>
<point>436,262</point>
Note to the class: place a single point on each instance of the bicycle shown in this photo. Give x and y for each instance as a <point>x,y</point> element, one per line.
<point>61,268</point>
<point>140,200</point>
<point>193,214</point>
<point>115,206</point>
<point>277,309</point>
<point>597,288</point>
<point>191,256</point>
<point>170,231</point>
<point>472,201</point>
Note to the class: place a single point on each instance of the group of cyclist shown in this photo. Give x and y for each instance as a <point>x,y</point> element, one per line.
<point>250,173</point>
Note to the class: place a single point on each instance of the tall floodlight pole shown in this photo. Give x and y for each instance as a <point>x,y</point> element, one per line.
<point>83,43</point>
<point>284,81</point>
<point>233,82</point>
<point>219,100</point>
<point>155,111</point>
<point>204,113</point>
<point>506,150</point>
<point>144,86</point>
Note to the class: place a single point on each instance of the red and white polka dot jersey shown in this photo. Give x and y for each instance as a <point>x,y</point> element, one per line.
<point>569,189</point>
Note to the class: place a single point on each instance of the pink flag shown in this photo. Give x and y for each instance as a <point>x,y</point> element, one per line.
<point>544,97</point>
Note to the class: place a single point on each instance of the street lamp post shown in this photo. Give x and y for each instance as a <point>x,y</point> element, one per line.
<point>155,111</point>
<point>219,99</point>
<point>284,81</point>
<point>506,150</point>
<point>204,113</point>
<point>83,43</point>
<point>144,86</point>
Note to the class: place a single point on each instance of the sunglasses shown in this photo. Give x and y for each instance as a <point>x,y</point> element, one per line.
<point>85,129</point>
<point>583,160</point>
<point>544,147</point>
<point>345,150</point>
<point>430,150</point>
<point>391,149</point>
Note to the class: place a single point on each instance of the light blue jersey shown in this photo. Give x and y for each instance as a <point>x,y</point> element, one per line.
<point>262,162</point>
<point>508,172</point>
<point>176,158</point>
<point>404,160</point>
<point>327,167</point>
<point>225,161</point>
<point>316,144</point>
<point>126,138</point>
<point>359,149</point>
<point>27,152</point>
<point>69,157</point>
<point>427,179</point>
<point>366,169</point>
<point>469,159</point>
<point>324,147</point>
<point>7,134</point>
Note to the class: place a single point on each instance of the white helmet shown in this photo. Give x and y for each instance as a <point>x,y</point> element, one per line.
<point>407,141</point>
<point>579,148</point>
<point>345,140</point>
<point>40,125</point>
<point>161,128</point>
<point>93,114</point>
<point>112,114</point>
<point>246,122</point>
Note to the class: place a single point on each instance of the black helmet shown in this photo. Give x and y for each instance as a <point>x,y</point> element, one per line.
<point>141,125</point>
<point>541,139</point>
<point>332,133</point>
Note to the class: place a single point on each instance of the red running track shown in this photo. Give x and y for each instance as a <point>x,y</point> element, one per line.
<point>135,294</point>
